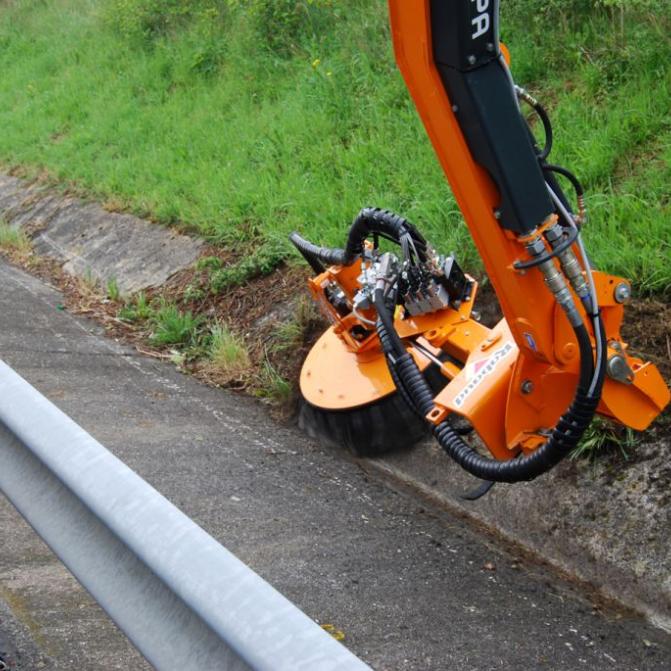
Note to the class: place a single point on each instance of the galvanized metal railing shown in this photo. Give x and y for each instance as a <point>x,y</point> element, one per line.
<point>182,599</point>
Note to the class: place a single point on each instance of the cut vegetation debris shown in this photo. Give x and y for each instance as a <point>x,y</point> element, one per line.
<point>245,119</point>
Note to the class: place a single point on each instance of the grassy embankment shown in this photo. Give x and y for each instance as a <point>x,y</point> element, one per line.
<point>246,123</point>
<point>244,119</point>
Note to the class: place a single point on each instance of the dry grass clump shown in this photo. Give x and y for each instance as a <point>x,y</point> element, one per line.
<point>228,356</point>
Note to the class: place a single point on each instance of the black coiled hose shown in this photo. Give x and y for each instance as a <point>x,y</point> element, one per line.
<point>547,126</point>
<point>398,383</point>
<point>370,221</point>
<point>383,222</point>
<point>562,441</point>
<point>393,348</point>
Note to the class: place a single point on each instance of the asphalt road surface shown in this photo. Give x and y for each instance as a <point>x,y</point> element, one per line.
<point>410,587</point>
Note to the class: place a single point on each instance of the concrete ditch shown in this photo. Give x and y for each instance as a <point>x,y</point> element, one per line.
<point>603,524</point>
<point>90,242</point>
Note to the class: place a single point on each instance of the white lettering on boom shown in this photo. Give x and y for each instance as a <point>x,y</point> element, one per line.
<point>481,22</point>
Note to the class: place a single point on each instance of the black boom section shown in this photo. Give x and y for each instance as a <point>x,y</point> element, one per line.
<point>467,32</point>
<point>467,55</point>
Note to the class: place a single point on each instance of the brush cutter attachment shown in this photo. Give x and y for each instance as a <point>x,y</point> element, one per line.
<point>404,347</point>
<point>404,357</point>
<point>367,430</point>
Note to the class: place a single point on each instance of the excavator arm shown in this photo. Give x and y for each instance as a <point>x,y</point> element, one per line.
<point>405,345</point>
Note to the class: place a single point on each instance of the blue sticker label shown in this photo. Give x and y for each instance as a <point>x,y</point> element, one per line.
<point>531,342</point>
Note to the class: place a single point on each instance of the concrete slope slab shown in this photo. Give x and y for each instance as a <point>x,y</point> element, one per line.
<point>89,241</point>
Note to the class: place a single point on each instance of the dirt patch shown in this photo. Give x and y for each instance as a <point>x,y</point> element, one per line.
<point>647,329</point>
<point>272,314</point>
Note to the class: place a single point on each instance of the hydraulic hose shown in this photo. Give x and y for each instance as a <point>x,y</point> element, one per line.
<point>547,125</point>
<point>316,256</point>
<point>374,220</point>
<point>370,221</point>
<point>564,437</point>
<point>393,348</point>
<point>391,364</point>
<point>389,337</point>
<point>543,116</point>
<point>398,383</point>
<point>575,182</point>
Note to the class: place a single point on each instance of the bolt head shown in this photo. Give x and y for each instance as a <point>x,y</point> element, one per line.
<point>527,387</point>
<point>569,350</point>
<point>622,292</point>
<point>472,60</point>
<point>536,247</point>
<point>553,234</point>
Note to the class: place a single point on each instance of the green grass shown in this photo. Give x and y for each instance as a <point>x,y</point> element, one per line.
<point>603,435</point>
<point>174,327</point>
<point>261,261</point>
<point>243,124</point>
<point>89,281</point>
<point>138,309</point>
<point>293,334</point>
<point>272,387</point>
<point>13,239</point>
<point>113,291</point>
<point>287,337</point>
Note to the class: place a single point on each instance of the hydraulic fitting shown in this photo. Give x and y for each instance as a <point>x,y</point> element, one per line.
<point>555,282</point>
<point>569,262</point>
<point>385,271</point>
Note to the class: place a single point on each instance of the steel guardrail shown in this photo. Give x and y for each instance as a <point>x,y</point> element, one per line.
<point>180,597</point>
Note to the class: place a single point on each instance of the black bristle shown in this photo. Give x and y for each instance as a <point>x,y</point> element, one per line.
<point>387,425</point>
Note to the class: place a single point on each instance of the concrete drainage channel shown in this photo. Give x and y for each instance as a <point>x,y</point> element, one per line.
<point>610,534</point>
<point>582,519</point>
